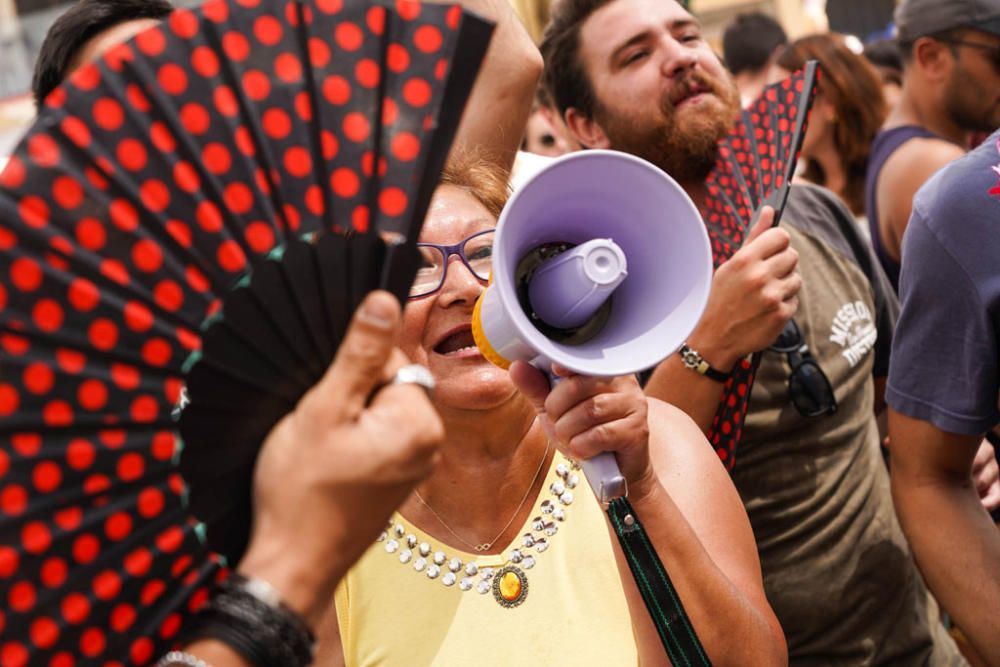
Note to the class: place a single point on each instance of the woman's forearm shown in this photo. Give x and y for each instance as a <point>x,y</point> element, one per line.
<point>733,628</point>
<point>498,109</point>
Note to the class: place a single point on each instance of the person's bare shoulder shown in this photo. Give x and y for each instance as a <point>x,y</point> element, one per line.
<point>904,173</point>
<point>692,473</point>
<point>923,154</point>
<point>677,447</point>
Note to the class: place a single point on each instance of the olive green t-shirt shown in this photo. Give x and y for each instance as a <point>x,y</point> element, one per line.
<point>837,569</point>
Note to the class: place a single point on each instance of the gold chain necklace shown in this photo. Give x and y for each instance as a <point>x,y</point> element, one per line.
<point>486,546</point>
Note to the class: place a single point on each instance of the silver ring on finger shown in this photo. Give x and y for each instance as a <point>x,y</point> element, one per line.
<point>415,374</point>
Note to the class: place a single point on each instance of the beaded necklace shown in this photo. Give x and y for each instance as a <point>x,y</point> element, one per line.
<point>508,582</point>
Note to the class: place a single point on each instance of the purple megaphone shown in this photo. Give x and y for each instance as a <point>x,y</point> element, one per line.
<point>601,263</point>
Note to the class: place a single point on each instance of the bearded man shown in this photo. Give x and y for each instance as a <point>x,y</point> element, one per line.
<point>638,76</point>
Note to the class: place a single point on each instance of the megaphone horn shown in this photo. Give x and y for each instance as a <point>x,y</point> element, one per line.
<point>601,263</point>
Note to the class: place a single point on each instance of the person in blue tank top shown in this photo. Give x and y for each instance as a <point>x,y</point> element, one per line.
<point>951,90</point>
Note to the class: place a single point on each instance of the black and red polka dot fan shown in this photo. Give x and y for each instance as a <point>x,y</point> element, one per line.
<point>197,210</point>
<point>755,167</point>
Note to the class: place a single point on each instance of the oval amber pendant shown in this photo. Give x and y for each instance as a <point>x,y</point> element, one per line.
<point>510,586</point>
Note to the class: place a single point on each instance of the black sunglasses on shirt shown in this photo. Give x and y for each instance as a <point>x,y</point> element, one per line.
<point>808,387</point>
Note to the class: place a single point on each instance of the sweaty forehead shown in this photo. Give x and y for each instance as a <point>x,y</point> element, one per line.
<point>454,214</point>
<point>619,21</point>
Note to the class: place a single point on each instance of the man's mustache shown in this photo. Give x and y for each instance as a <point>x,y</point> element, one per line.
<point>694,83</point>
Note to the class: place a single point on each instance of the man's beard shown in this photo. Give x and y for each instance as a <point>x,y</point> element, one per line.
<point>965,103</point>
<point>687,151</point>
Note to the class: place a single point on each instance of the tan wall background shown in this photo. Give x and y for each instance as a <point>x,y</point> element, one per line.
<point>799,17</point>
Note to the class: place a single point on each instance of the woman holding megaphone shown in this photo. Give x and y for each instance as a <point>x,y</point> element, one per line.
<point>503,555</point>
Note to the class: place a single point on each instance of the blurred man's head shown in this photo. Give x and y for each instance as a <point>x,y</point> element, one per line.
<point>542,137</point>
<point>84,32</point>
<point>637,76</point>
<point>546,133</point>
<point>951,55</point>
<point>885,56</point>
<point>751,41</point>
<point>750,47</point>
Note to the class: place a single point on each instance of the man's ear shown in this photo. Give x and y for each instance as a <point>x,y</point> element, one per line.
<point>934,58</point>
<point>586,130</point>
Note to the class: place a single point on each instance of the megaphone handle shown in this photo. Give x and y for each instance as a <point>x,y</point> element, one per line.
<point>605,477</point>
<point>602,471</point>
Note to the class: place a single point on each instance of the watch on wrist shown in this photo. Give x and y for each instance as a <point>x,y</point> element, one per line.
<point>697,363</point>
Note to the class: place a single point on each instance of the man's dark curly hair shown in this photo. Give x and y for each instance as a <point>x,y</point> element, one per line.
<point>565,78</point>
<point>78,25</point>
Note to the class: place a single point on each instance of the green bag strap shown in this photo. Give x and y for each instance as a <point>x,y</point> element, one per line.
<point>664,605</point>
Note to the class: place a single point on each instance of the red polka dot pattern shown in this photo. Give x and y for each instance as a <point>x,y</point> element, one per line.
<point>417,34</point>
<point>154,180</point>
<point>755,165</point>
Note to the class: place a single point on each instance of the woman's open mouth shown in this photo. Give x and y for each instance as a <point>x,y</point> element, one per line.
<point>458,343</point>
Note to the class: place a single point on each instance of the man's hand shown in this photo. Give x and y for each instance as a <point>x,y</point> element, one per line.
<point>586,416</point>
<point>986,474</point>
<point>753,295</point>
<point>333,470</point>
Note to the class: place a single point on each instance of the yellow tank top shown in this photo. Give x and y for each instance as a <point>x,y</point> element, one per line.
<point>563,604</point>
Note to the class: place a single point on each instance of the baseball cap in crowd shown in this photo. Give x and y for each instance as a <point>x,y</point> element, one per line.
<point>917,18</point>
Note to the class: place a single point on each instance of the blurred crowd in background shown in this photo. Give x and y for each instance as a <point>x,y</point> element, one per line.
<point>23,24</point>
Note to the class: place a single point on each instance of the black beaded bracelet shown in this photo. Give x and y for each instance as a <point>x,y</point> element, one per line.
<point>247,614</point>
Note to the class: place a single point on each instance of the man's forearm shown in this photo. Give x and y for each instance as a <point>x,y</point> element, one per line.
<point>954,541</point>
<point>731,626</point>
<point>753,295</point>
<point>962,568</point>
<point>695,394</point>
<point>498,109</point>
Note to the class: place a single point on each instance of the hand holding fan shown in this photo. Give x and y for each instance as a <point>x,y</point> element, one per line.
<point>203,208</point>
<point>754,169</point>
